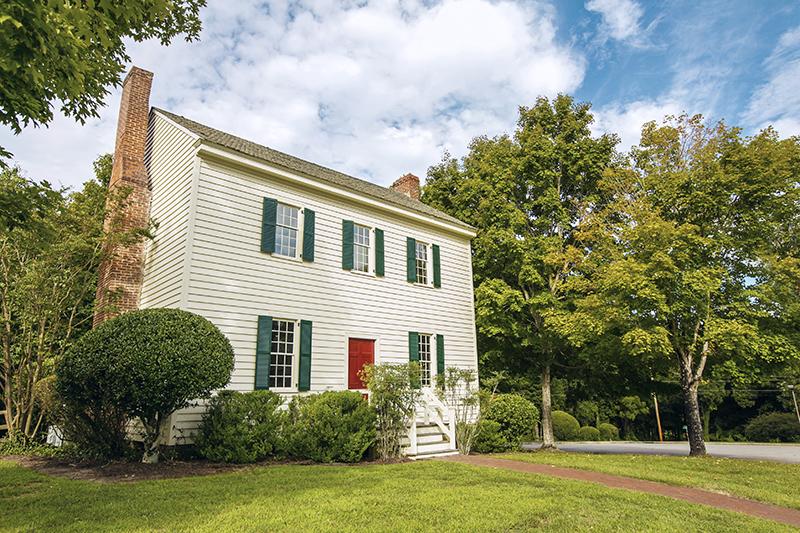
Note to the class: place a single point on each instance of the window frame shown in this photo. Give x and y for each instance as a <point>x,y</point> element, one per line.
<point>428,263</point>
<point>431,363</point>
<point>299,229</point>
<point>370,251</point>
<point>295,354</point>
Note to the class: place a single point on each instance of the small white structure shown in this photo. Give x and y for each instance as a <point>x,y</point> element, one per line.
<point>309,272</point>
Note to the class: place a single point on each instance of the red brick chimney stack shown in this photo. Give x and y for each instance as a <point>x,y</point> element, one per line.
<point>408,185</point>
<point>120,281</point>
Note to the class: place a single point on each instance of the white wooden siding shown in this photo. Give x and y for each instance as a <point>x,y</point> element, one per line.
<point>227,279</point>
<point>170,157</point>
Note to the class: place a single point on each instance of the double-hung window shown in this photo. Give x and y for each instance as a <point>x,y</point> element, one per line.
<point>286,230</point>
<point>282,354</point>
<point>361,248</point>
<point>422,263</point>
<point>425,359</point>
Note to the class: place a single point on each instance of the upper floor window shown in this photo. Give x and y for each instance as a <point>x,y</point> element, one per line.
<point>422,263</point>
<point>282,350</point>
<point>361,248</point>
<point>286,230</point>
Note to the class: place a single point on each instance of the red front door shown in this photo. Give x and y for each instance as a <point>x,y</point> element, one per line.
<point>360,352</point>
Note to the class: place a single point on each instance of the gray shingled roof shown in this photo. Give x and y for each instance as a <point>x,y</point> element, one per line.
<point>300,166</point>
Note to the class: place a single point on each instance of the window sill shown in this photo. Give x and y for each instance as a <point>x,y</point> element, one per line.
<point>366,274</point>
<point>296,258</point>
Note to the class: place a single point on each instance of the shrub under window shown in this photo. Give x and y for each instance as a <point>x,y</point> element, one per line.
<point>241,427</point>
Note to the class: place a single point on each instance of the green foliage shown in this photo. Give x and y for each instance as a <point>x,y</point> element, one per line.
<point>565,426</point>
<point>773,427</point>
<point>15,446</point>
<point>331,427</point>
<point>51,244</point>
<point>241,427</point>
<point>458,389</point>
<point>71,52</point>
<point>490,439</point>
<point>527,195</point>
<point>608,431</point>
<point>516,415</point>
<point>588,433</point>
<point>146,363</point>
<point>394,399</point>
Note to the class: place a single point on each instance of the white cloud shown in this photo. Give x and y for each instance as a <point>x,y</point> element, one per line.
<point>620,17</point>
<point>777,101</point>
<point>376,88</point>
<point>627,119</point>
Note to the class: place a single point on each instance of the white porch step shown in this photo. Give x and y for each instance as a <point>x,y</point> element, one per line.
<point>434,447</point>
<point>421,456</point>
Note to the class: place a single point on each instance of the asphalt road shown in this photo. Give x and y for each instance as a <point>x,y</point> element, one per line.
<point>784,453</point>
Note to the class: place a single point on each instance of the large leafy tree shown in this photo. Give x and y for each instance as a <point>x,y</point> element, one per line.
<point>73,51</point>
<point>695,258</point>
<point>51,243</point>
<point>528,195</point>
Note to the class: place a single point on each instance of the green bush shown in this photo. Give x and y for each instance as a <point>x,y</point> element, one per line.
<point>773,427</point>
<point>608,431</point>
<point>241,427</point>
<point>565,426</point>
<point>331,427</point>
<point>516,415</point>
<point>145,364</point>
<point>489,438</point>
<point>588,433</point>
<point>393,396</point>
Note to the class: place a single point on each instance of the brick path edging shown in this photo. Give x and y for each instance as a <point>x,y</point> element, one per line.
<point>699,496</point>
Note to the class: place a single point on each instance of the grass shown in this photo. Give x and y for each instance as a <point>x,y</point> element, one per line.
<point>401,497</point>
<point>765,481</point>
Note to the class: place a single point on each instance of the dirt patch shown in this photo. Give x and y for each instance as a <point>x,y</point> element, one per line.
<point>126,471</point>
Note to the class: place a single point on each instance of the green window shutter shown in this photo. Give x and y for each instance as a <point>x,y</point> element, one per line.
<point>304,382</point>
<point>309,218</point>
<point>263,351</point>
<point>269,213</point>
<point>347,244</point>
<point>437,267</point>
<point>413,355</point>
<point>440,354</point>
<point>411,259</point>
<point>379,266</point>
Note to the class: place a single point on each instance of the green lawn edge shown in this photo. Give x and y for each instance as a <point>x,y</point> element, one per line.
<point>764,481</point>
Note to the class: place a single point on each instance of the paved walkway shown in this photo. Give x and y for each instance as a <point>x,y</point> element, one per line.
<point>704,497</point>
<point>783,453</point>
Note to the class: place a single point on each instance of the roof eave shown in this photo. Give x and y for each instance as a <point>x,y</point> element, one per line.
<point>212,150</point>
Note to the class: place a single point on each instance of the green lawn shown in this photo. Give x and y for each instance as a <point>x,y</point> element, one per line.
<point>402,497</point>
<point>758,480</point>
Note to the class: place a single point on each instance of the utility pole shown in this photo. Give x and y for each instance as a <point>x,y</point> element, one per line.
<point>794,397</point>
<point>658,417</point>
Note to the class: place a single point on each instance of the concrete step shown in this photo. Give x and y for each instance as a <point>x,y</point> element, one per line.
<point>433,447</point>
<point>434,455</point>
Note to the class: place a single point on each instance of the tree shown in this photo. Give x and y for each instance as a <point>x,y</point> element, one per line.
<point>527,194</point>
<point>72,52</point>
<point>51,243</point>
<point>629,408</point>
<point>696,253</point>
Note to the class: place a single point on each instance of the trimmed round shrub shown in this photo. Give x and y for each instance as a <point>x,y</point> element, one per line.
<point>773,427</point>
<point>516,415</point>
<point>489,438</point>
<point>241,427</point>
<point>565,426</point>
<point>147,364</point>
<point>608,431</point>
<point>588,433</point>
<point>331,427</point>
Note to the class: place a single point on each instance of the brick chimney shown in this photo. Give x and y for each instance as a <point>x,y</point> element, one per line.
<point>408,185</point>
<point>120,280</point>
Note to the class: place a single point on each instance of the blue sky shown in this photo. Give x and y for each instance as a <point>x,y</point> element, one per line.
<point>378,88</point>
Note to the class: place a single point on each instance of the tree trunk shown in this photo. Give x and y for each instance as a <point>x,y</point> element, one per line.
<point>548,441</point>
<point>691,408</point>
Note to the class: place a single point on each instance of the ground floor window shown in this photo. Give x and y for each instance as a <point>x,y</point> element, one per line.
<point>281,362</point>
<point>425,359</point>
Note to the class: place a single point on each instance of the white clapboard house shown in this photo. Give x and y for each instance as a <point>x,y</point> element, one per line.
<point>309,272</point>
